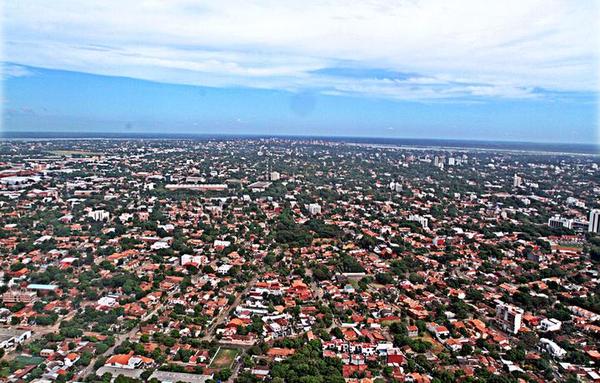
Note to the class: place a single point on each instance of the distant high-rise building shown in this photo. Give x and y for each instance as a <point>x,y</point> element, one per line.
<point>314,209</point>
<point>18,296</point>
<point>594,225</point>
<point>395,186</point>
<point>517,181</point>
<point>424,222</point>
<point>570,223</point>
<point>558,221</point>
<point>99,215</point>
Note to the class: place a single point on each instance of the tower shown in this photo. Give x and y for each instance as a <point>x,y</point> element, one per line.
<point>517,181</point>
<point>594,225</point>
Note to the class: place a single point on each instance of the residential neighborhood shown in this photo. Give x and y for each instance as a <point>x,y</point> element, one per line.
<point>274,260</point>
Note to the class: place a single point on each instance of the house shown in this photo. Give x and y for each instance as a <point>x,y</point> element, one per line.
<point>351,370</point>
<point>550,324</point>
<point>107,303</point>
<point>413,331</point>
<point>453,344</point>
<point>71,359</point>
<point>552,348</point>
<point>278,353</point>
<point>129,361</point>
<point>395,360</point>
<point>224,269</point>
<point>260,372</point>
<point>12,337</point>
<point>441,332</point>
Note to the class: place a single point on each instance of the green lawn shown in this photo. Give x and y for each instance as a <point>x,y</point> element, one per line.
<point>23,360</point>
<point>19,362</point>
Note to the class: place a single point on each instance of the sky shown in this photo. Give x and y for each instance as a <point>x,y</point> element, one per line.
<point>526,70</point>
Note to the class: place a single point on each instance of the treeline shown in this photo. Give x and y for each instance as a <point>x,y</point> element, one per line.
<point>308,365</point>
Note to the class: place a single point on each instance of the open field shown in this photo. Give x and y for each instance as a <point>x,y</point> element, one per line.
<point>224,358</point>
<point>437,347</point>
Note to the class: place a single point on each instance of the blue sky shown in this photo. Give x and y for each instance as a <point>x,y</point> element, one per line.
<point>524,71</point>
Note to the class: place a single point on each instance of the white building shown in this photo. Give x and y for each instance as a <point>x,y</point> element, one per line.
<point>550,324</point>
<point>42,239</point>
<point>517,181</point>
<point>108,301</point>
<point>424,222</point>
<point>12,337</point>
<point>275,176</point>
<point>552,348</point>
<point>125,217</point>
<point>396,186</point>
<point>572,201</point>
<point>314,208</point>
<point>558,221</point>
<point>221,244</point>
<point>224,269</point>
<point>594,225</point>
<point>509,317</point>
<point>187,259</point>
<point>99,215</point>
<point>160,245</point>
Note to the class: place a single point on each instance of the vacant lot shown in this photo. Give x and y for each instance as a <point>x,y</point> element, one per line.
<point>224,358</point>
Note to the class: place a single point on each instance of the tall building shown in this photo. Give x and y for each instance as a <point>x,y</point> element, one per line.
<point>424,222</point>
<point>594,225</point>
<point>396,186</point>
<point>508,317</point>
<point>517,181</point>
<point>99,215</point>
<point>18,296</point>
<point>558,221</point>
<point>314,209</point>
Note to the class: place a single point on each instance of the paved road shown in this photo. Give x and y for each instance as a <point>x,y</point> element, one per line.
<point>39,331</point>
<point>118,340</point>
<point>236,370</point>
<point>221,317</point>
<point>225,312</point>
<point>209,333</point>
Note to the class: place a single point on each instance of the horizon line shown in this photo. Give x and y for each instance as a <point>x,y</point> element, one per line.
<point>594,148</point>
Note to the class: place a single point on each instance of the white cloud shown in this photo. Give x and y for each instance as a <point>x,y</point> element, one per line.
<point>460,49</point>
<point>11,70</point>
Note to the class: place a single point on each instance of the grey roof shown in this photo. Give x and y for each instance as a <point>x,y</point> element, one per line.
<point>166,376</point>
